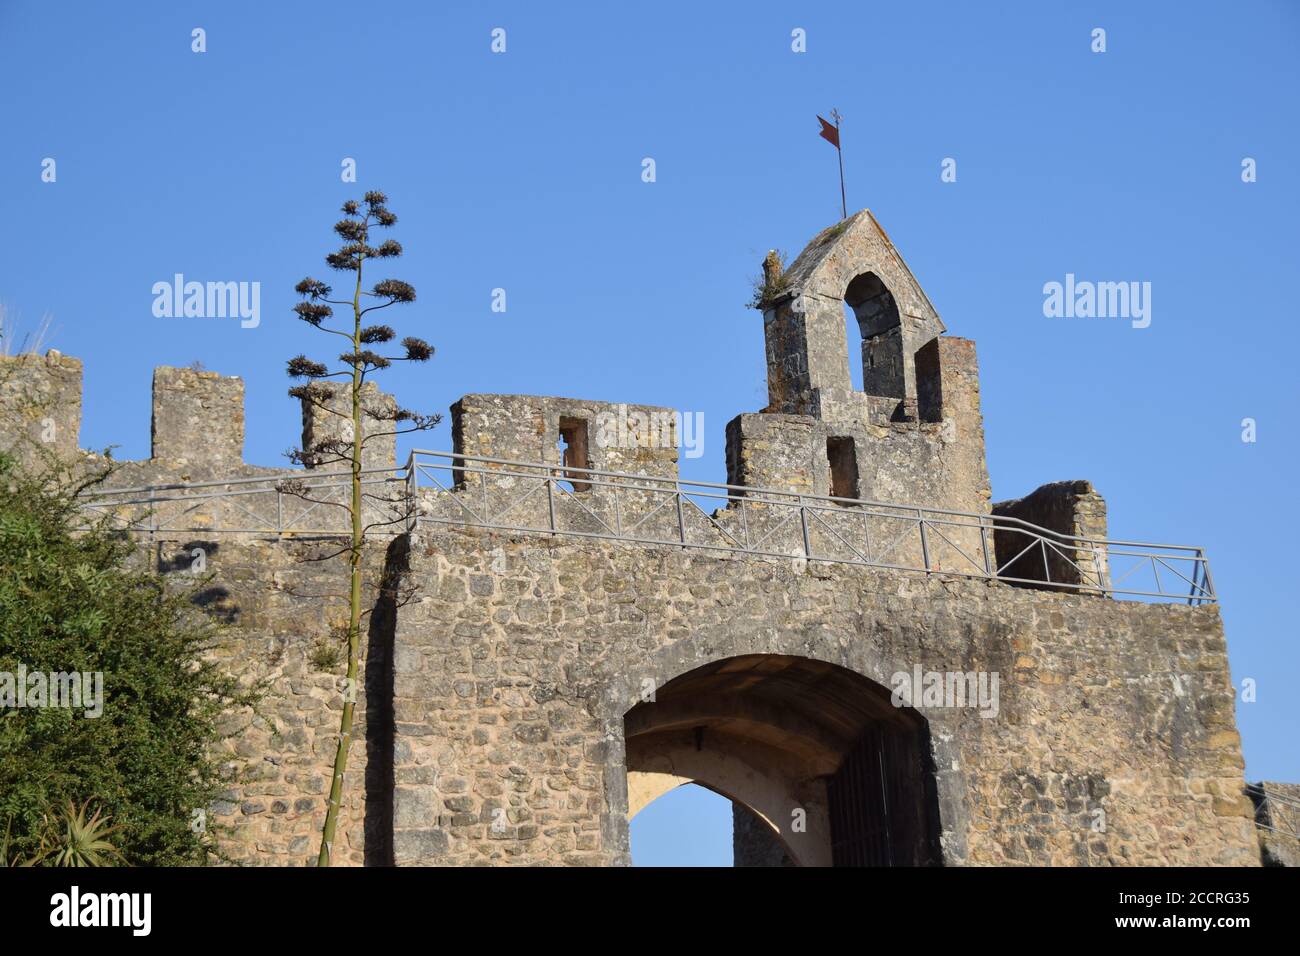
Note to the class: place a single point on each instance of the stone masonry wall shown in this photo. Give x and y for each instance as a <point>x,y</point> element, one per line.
<point>634,439</point>
<point>492,719</point>
<point>515,664</point>
<point>282,607</point>
<point>938,463</point>
<point>621,437</point>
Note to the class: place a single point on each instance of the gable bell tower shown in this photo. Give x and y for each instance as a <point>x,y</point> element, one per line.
<point>853,263</point>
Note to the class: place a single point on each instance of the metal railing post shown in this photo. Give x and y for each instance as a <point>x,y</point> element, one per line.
<point>1098,566</point>
<point>550,499</point>
<point>984,544</point>
<point>1207,585</point>
<point>412,509</point>
<point>803,520</point>
<point>925,543</point>
<point>681,516</point>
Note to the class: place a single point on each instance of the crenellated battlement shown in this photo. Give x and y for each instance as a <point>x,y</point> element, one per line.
<point>198,417</point>
<point>913,435</point>
<point>40,403</point>
<point>197,420</point>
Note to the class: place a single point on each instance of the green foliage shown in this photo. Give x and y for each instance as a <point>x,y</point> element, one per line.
<point>7,856</point>
<point>74,840</point>
<point>69,840</point>
<point>79,600</point>
<point>326,656</point>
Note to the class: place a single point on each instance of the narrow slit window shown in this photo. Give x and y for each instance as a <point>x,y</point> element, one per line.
<point>843,460</point>
<point>929,383</point>
<point>573,452</point>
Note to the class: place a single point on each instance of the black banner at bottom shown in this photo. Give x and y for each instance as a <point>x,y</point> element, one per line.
<point>332,907</point>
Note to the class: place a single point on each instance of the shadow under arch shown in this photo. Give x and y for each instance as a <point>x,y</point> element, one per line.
<point>814,750</point>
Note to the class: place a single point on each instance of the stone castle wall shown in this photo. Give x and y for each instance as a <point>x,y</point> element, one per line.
<point>500,690</point>
<point>510,711</point>
<point>511,686</point>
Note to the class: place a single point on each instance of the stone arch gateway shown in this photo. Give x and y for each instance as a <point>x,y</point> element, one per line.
<point>817,752</point>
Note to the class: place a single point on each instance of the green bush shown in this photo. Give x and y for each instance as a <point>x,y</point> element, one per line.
<point>82,600</point>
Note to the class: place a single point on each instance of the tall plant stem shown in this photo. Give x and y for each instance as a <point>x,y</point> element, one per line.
<point>354,609</point>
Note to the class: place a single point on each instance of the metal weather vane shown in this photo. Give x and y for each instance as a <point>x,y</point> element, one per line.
<point>832,135</point>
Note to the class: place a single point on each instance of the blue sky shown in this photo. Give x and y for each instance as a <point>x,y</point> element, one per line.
<point>522,171</point>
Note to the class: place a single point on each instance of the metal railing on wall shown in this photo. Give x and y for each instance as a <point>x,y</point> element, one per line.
<point>447,489</point>
<point>293,503</point>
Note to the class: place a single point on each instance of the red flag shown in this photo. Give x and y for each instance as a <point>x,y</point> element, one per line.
<point>829,133</point>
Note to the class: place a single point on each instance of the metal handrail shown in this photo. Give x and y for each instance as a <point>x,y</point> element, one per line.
<point>602,510</point>
<point>751,491</point>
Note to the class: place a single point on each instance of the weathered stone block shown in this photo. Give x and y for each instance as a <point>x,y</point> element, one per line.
<point>198,418</point>
<point>40,406</point>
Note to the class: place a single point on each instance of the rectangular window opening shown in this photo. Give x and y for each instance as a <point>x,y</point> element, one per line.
<point>573,443</point>
<point>843,458</point>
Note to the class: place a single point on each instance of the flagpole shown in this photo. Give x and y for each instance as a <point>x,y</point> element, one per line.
<point>839,151</point>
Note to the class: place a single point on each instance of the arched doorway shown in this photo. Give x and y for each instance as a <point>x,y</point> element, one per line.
<point>835,772</point>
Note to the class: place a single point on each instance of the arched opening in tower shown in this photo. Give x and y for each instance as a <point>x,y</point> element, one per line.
<point>822,768</point>
<point>880,334</point>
